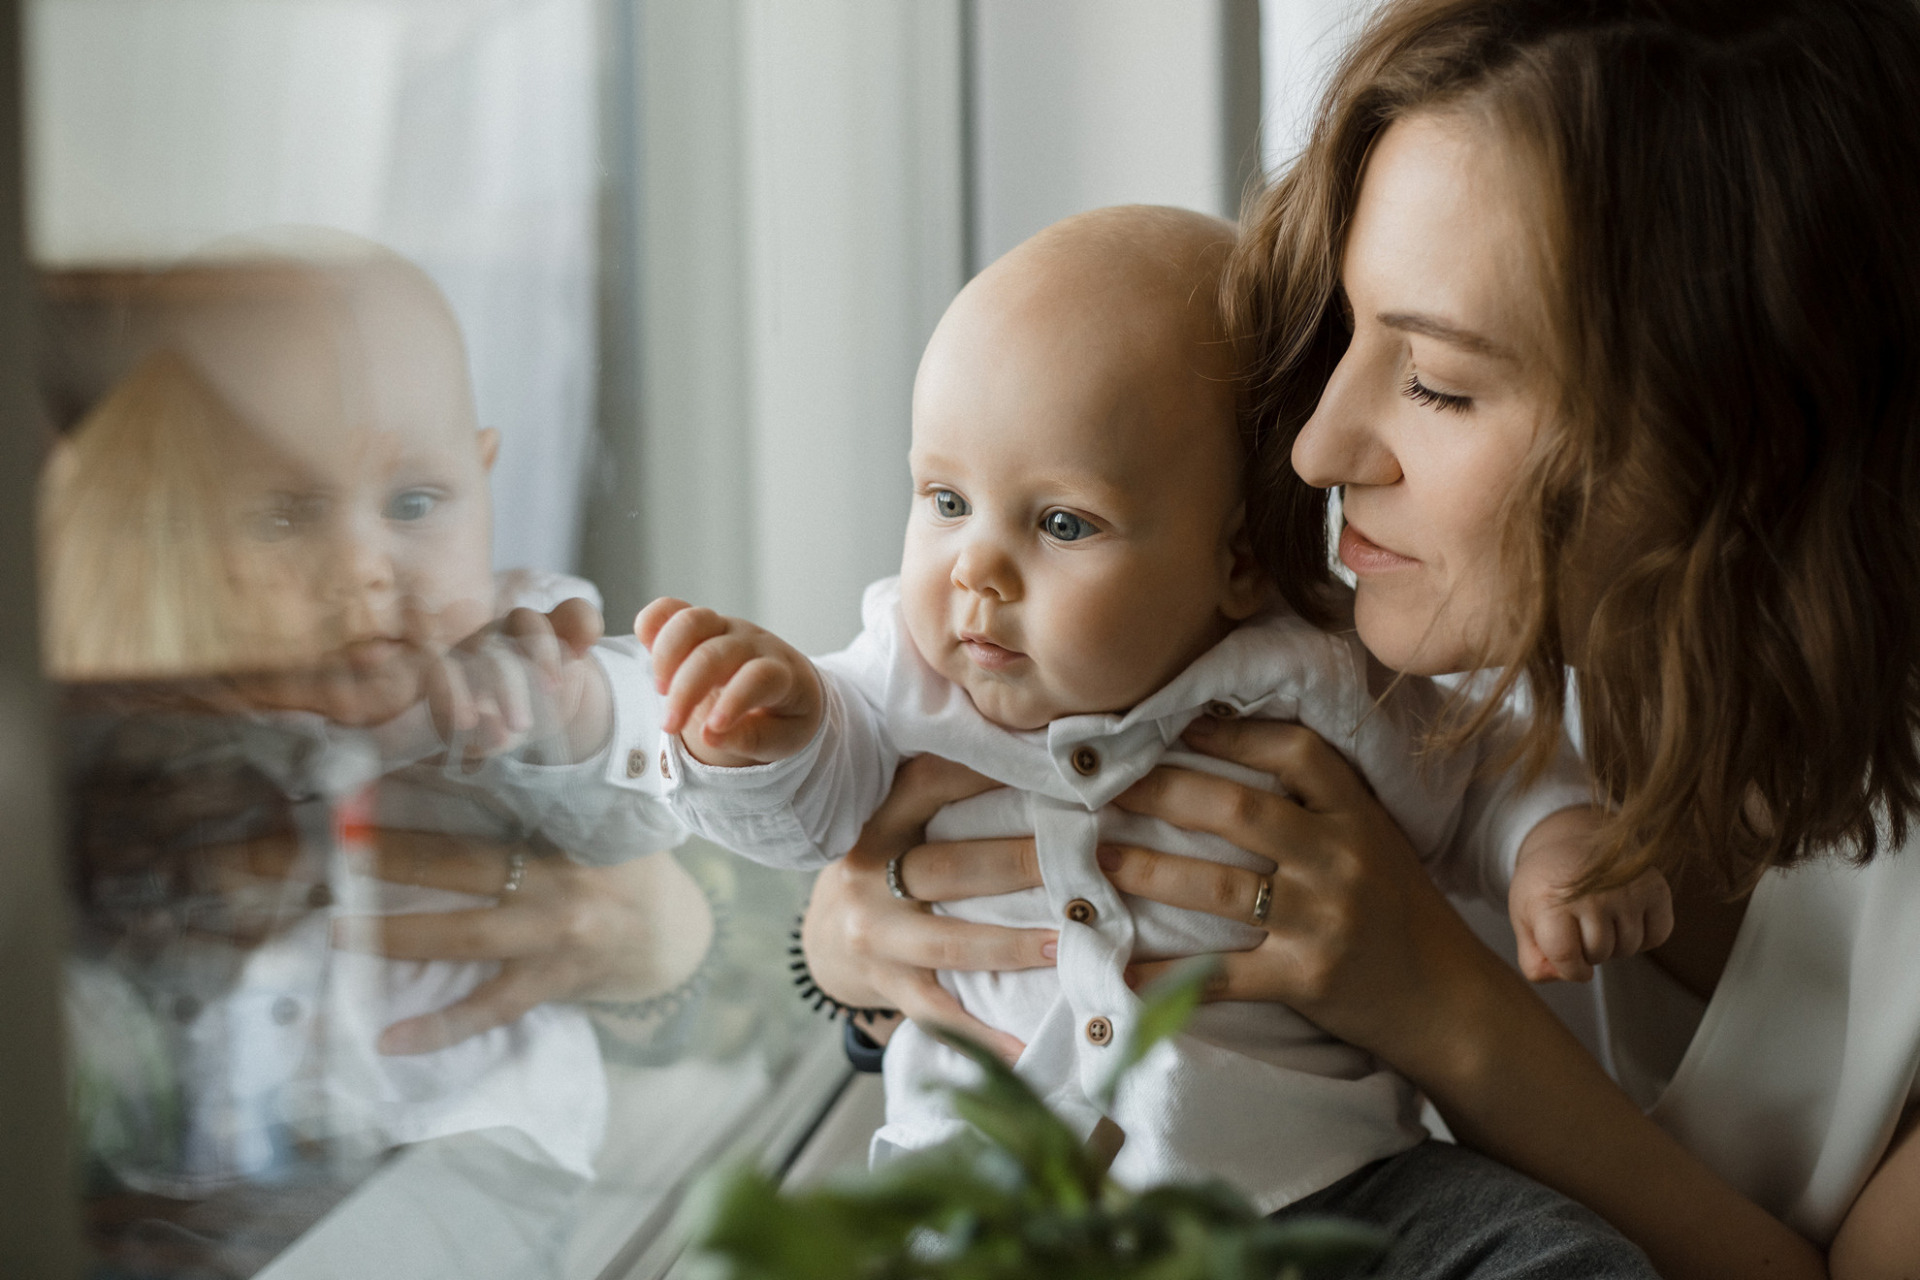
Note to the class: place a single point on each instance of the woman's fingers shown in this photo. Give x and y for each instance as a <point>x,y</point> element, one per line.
<point>931,1005</point>
<point>944,871</point>
<point>494,1003</point>
<point>920,940</point>
<point>1178,881</point>
<point>1298,758</point>
<point>487,933</point>
<point>434,860</point>
<point>1258,821</point>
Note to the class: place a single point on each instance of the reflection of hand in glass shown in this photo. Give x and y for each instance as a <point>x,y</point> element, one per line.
<point>568,932</point>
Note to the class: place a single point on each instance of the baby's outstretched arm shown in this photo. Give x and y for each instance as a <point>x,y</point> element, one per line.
<point>747,696</point>
<point>1562,937</point>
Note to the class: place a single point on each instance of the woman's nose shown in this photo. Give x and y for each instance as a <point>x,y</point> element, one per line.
<point>1341,443</point>
<point>984,568</point>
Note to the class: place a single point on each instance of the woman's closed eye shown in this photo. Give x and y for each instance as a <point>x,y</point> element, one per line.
<point>1065,526</point>
<point>1422,394</point>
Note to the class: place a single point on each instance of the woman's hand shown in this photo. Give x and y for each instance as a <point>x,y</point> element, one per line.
<point>1358,937</point>
<point>568,932</point>
<point>868,948</point>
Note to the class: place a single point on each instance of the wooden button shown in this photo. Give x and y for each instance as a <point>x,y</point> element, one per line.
<point>664,771</point>
<point>1222,710</point>
<point>1086,761</point>
<point>1099,1030</point>
<point>1080,911</point>
<point>636,762</point>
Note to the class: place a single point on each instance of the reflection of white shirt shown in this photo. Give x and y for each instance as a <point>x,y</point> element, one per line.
<point>281,1036</point>
<point>1252,1093</point>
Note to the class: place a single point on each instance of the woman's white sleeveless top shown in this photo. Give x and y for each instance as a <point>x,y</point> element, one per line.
<point>1790,1082</point>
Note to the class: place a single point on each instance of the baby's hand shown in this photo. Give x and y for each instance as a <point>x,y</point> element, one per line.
<point>747,696</point>
<point>522,676</point>
<point>1564,938</point>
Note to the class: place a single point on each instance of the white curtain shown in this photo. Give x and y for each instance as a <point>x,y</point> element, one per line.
<point>461,133</point>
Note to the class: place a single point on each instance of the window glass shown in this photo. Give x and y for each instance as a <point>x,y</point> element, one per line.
<point>388,958</point>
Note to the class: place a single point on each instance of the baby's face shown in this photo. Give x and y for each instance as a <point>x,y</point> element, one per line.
<point>1074,537</point>
<point>358,509</point>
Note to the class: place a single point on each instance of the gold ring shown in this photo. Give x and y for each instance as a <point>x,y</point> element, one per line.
<point>1263,900</point>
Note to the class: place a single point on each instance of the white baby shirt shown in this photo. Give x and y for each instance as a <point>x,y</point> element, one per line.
<point>1251,1093</point>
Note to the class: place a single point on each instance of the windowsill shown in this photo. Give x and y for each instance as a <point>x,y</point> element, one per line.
<point>428,1212</point>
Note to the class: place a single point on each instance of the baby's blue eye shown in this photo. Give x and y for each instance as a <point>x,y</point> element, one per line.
<point>949,505</point>
<point>414,504</point>
<point>1064,526</point>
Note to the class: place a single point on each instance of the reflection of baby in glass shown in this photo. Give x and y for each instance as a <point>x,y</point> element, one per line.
<point>290,485</point>
<point>1082,579</point>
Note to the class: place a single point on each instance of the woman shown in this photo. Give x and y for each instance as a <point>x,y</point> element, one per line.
<point>1609,314</point>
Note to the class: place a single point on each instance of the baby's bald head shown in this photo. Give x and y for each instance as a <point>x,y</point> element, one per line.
<point>1080,534</point>
<point>1127,296</point>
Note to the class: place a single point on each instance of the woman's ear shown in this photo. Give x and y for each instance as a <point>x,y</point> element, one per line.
<point>489,441</point>
<point>1249,589</point>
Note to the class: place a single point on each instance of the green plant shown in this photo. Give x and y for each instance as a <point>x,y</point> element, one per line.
<point>1020,1196</point>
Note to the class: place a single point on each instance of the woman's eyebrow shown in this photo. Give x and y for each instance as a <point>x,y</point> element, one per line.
<point>1452,334</point>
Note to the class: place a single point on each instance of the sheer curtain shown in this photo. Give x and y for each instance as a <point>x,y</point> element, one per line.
<point>460,133</point>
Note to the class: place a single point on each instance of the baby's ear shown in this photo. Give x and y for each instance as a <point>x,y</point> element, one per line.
<point>1249,589</point>
<point>488,440</point>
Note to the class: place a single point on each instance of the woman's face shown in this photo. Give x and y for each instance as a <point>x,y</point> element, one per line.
<point>1431,412</point>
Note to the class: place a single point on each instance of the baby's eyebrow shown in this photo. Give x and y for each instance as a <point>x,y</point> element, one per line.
<point>1445,331</point>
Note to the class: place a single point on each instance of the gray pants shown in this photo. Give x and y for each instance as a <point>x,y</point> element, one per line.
<point>1455,1214</point>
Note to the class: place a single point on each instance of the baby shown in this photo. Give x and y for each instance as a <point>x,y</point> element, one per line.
<point>291,485</point>
<point>1078,584</point>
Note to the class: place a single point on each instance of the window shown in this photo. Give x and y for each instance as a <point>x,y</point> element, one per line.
<point>290,260</point>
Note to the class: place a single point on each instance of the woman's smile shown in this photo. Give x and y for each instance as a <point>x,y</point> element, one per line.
<point>1365,556</point>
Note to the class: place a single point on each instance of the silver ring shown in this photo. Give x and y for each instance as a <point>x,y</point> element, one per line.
<point>1263,900</point>
<point>895,885</point>
<point>516,872</point>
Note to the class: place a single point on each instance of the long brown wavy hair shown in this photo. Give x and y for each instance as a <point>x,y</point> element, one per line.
<point>1732,214</point>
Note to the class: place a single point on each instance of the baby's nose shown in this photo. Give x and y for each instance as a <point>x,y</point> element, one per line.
<point>983,568</point>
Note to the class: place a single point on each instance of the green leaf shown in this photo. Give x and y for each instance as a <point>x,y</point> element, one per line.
<point>1166,1006</point>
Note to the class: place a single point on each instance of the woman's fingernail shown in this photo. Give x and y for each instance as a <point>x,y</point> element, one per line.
<point>1049,950</point>
<point>1108,857</point>
<point>1131,977</point>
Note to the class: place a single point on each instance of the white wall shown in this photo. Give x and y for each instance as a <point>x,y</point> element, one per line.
<point>1083,103</point>
<point>1300,42</point>
<point>802,226</point>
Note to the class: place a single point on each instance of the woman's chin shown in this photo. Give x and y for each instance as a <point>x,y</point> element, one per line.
<point>1412,641</point>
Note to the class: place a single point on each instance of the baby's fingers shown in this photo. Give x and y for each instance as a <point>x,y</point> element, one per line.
<point>761,684</point>
<point>648,622</point>
<point>1561,937</point>
<point>707,671</point>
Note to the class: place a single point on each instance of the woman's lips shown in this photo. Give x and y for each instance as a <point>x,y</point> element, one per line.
<point>1363,555</point>
<point>989,656</point>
